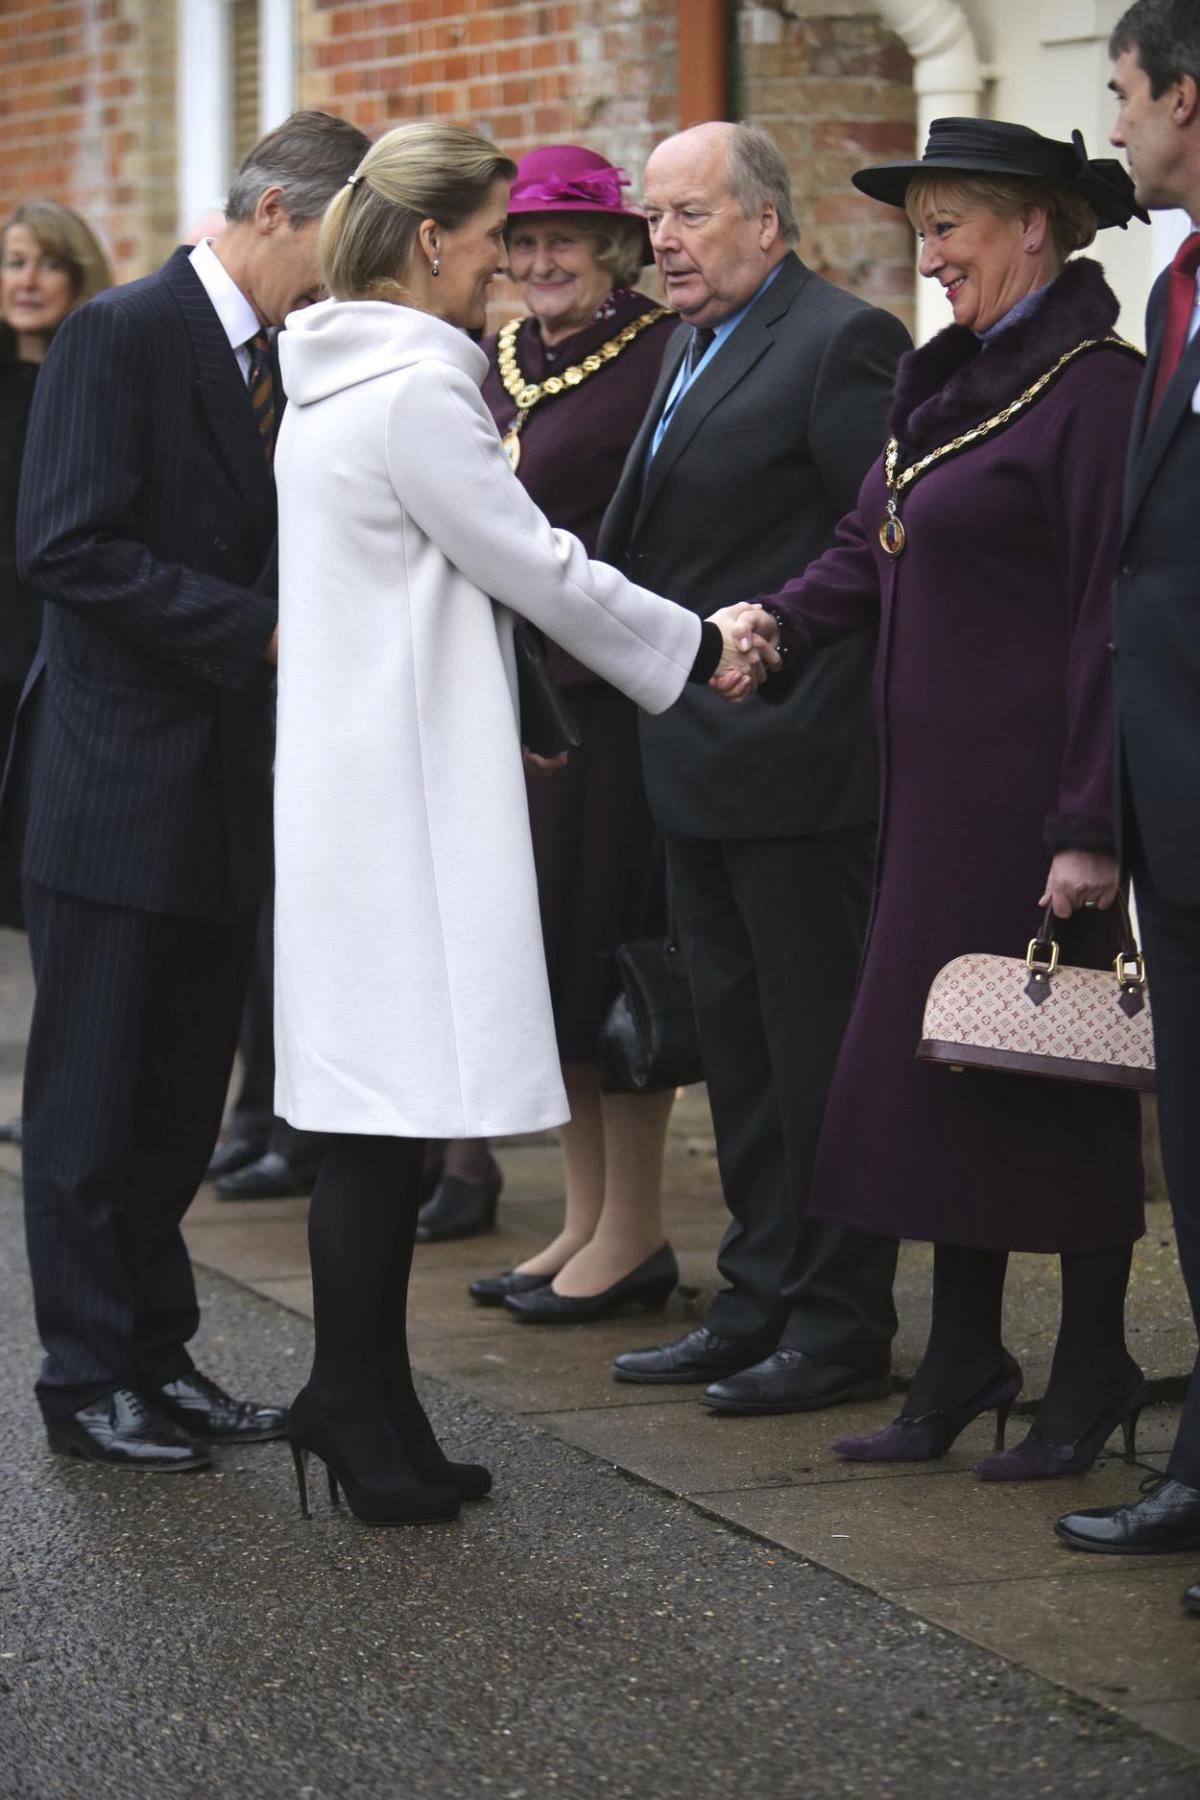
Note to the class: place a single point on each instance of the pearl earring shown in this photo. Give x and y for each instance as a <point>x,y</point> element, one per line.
<point>437,266</point>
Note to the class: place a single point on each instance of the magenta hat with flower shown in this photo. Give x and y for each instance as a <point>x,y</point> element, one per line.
<point>565,178</point>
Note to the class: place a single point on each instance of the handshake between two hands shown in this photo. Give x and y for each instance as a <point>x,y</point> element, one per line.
<point>751,649</point>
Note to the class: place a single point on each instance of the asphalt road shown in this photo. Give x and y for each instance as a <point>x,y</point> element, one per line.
<point>193,1637</point>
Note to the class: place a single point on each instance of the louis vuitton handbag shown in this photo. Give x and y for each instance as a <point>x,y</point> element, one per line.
<point>1037,1016</point>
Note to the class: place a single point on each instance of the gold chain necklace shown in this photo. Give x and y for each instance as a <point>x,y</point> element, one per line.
<point>892,534</point>
<point>527,394</point>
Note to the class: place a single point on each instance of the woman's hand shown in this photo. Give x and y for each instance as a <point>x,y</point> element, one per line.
<point>1080,878</point>
<point>750,637</point>
<point>543,765</point>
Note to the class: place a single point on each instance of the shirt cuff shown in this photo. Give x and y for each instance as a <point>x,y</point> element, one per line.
<point>709,653</point>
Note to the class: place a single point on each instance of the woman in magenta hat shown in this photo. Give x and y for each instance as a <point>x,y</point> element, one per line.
<point>576,248</point>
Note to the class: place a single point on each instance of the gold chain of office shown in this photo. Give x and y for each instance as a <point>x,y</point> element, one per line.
<point>892,534</point>
<point>528,394</point>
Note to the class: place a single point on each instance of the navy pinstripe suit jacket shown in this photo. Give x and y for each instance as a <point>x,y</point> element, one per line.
<point>146,521</point>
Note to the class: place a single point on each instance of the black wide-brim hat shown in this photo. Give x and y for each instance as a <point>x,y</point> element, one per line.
<point>992,147</point>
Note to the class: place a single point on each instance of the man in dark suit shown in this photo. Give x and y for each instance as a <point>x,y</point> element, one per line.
<point>1156,77</point>
<point>769,410</point>
<point>142,772</point>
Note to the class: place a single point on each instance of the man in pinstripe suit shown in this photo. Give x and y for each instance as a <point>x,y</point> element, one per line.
<point>142,774</point>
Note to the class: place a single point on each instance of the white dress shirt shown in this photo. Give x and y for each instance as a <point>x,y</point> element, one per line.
<point>239,320</point>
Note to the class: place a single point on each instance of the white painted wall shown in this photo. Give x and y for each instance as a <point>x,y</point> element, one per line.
<point>1047,63</point>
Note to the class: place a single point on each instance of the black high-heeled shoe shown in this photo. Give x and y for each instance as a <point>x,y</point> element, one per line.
<point>930,1435</point>
<point>411,1503</point>
<point>650,1285</point>
<point>410,1421</point>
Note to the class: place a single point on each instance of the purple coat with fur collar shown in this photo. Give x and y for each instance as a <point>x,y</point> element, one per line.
<point>992,692</point>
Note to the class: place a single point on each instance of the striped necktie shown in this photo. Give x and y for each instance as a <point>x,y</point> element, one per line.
<point>261,385</point>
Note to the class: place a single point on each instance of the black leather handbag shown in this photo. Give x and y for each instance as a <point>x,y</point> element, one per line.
<point>547,723</point>
<point>648,1040</point>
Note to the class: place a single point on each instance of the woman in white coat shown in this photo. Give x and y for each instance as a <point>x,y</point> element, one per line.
<point>411,995</point>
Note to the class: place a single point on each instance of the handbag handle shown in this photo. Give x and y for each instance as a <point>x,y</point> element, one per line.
<point>1042,955</point>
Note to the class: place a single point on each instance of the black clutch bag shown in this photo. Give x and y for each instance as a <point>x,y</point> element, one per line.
<point>648,1041</point>
<point>547,724</point>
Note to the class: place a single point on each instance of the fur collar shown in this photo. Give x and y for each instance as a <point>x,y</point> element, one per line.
<point>954,381</point>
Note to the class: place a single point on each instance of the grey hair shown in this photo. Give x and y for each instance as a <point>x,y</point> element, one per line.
<point>758,176</point>
<point>310,156</point>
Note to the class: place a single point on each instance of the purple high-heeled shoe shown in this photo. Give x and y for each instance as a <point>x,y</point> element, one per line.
<point>925,1438</point>
<point>1035,1459</point>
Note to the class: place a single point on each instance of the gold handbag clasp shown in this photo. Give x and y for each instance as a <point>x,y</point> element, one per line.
<point>1130,966</point>
<point>1041,958</point>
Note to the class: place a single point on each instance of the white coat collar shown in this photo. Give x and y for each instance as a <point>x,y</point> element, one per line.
<point>340,343</point>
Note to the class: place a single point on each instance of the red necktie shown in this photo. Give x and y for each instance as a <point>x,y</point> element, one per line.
<point>1181,298</point>
<point>262,390</point>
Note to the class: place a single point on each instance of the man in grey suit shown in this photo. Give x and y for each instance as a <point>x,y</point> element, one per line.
<point>769,410</point>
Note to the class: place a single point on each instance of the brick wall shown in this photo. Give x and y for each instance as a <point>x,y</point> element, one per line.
<point>837,94</point>
<point>87,101</point>
<point>600,72</point>
<point>87,117</point>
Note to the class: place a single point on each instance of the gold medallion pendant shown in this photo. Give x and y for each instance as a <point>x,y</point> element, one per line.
<point>892,535</point>
<point>512,448</point>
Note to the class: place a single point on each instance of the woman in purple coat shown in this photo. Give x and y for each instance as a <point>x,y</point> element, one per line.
<point>568,386</point>
<point>983,549</point>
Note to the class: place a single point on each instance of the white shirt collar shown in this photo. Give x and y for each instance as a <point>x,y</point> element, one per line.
<point>239,321</point>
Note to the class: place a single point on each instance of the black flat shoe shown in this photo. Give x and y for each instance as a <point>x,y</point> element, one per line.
<point>206,1411</point>
<point>792,1381</point>
<point>272,1176</point>
<point>1165,1519</point>
<point>123,1431</point>
<point>232,1155</point>
<point>699,1355</point>
<point>460,1209</point>
<point>650,1285</point>
<point>491,1290</point>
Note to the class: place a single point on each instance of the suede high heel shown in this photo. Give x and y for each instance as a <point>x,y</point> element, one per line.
<point>1035,1459</point>
<point>925,1438</point>
<point>470,1481</point>
<point>411,1503</point>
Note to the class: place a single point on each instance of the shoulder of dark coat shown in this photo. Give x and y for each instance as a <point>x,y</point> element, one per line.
<point>954,382</point>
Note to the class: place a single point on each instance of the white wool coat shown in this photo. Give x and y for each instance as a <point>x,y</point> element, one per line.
<point>410,981</point>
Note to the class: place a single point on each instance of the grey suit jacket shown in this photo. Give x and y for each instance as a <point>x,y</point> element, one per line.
<point>763,455</point>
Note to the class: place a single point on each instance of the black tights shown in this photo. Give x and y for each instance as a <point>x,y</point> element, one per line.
<point>965,1348</point>
<point>361,1227</point>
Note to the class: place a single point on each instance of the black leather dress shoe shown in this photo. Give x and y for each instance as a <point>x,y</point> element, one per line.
<point>698,1356</point>
<point>650,1285</point>
<point>1166,1518</point>
<point>12,1131</point>
<point>460,1209</point>
<point>233,1154</point>
<point>490,1290</point>
<point>124,1431</point>
<point>793,1381</point>
<point>206,1411</point>
<point>272,1176</point>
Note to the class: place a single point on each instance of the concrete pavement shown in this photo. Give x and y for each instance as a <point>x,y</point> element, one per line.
<point>747,1613</point>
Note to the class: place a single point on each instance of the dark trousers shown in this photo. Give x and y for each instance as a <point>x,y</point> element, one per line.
<point>773,929</point>
<point>135,1022</point>
<point>1171,939</point>
<point>254,1114</point>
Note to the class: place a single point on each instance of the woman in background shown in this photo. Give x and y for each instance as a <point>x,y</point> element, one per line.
<point>50,263</point>
<point>568,387</point>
